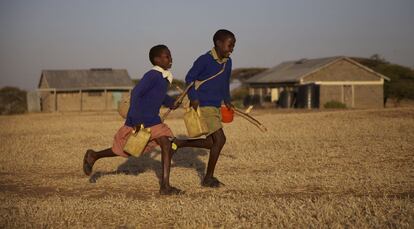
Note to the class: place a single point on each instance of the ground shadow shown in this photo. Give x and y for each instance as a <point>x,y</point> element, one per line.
<point>184,157</point>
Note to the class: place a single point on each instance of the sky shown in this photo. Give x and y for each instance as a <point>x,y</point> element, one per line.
<point>83,34</point>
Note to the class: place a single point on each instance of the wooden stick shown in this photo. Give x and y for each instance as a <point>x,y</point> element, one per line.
<point>236,110</point>
<point>250,119</point>
<point>179,100</point>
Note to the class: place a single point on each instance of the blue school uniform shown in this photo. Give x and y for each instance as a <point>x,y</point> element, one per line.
<point>147,97</point>
<point>216,90</point>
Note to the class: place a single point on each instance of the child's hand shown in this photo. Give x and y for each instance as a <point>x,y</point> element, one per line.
<point>194,104</point>
<point>229,105</point>
<point>175,106</point>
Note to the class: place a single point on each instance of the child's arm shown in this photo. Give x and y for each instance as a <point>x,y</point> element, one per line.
<point>168,101</point>
<point>145,84</point>
<point>193,75</point>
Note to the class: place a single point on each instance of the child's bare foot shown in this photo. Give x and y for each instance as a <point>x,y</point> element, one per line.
<point>170,191</point>
<point>212,182</point>
<point>88,162</point>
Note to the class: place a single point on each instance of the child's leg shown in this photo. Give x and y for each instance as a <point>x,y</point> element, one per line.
<point>166,153</point>
<point>91,157</point>
<point>219,139</point>
<point>197,143</point>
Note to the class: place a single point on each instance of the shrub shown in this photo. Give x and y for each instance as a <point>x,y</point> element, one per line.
<point>12,101</point>
<point>238,104</point>
<point>401,85</point>
<point>251,100</point>
<point>239,93</point>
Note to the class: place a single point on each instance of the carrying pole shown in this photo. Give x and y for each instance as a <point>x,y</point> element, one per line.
<point>178,101</point>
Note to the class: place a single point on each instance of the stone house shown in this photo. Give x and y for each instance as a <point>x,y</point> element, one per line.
<point>311,83</point>
<point>83,90</point>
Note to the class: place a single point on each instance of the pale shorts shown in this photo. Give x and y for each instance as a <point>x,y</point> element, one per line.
<point>212,117</point>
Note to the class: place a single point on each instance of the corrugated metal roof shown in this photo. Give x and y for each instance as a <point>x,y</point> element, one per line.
<point>291,71</point>
<point>93,78</point>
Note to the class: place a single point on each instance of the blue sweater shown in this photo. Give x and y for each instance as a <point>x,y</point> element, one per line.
<point>214,91</point>
<point>146,100</point>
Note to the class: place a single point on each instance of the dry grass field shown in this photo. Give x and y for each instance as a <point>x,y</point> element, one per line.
<point>332,169</point>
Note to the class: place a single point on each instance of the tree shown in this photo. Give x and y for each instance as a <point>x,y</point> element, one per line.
<point>12,101</point>
<point>401,85</point>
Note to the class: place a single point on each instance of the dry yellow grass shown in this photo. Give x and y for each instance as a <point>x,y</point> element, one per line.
<point>313,169</point>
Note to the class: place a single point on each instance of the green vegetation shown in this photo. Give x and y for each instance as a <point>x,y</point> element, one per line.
<point>240,95</point>
<point>12,101</point>
<point>334,104</point>
<point>401,85</point>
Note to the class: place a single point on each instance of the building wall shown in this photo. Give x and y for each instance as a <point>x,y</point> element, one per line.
<point>91,101</point>
<point>342,70</point>
<point>354,96</point>
<point>68,101</point>
<point>368,96</point>
<point>47,101</point>
<point>46,98</point>
<point>43,82</point>
<point>328,93</point>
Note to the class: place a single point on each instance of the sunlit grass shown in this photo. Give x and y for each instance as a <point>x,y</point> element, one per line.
<point>312,169</point>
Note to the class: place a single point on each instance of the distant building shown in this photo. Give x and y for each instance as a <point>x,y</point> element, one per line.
<point>83,90</point>
<point>311,83</point>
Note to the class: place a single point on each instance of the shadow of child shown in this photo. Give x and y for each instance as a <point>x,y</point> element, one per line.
<point>184,157</point>
<point>134,166</point>
<point>189,158</point>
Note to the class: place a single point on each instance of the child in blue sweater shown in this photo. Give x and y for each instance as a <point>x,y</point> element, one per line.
<point>209,97</point>
<point>147,97</point>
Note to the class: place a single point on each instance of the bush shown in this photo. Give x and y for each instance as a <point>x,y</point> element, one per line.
<point>239,93</point>
<point>251,100</point>
<point>12,101</point>
<point>401,85</point>
<point>334,104</point>
<point>238,104</point>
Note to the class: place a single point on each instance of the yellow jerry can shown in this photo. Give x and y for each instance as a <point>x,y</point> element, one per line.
<point>194,122</point>
<point>137,141</point>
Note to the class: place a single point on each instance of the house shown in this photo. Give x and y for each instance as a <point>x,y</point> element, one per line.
<point>311,83</point>
<point>83,90</point>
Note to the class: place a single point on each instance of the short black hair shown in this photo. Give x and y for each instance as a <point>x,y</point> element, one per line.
<point>222,34</point>
<point>156,51</point>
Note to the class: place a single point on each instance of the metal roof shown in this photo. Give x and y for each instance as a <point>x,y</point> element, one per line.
<point>83,79</point>
<point>290,71</point>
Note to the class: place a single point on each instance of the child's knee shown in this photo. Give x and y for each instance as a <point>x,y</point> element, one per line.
<point>220,140</point>
<point>164,142</point>
<point>209,141</point>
